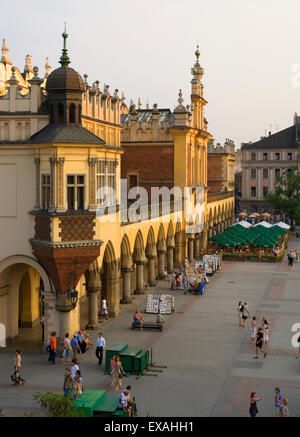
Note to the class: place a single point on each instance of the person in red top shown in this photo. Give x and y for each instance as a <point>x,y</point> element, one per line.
<point>52,355</point>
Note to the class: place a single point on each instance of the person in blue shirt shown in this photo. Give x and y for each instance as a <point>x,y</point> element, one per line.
<point>75,346</point>
<point>99,348</point>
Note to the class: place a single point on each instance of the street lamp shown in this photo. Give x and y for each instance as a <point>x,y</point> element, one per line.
<point>73,296</point>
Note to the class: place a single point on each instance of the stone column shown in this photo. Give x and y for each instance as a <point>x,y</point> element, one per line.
<point>112,286</point>
<point>60,185</point>
<point>53,184</point>
<point>222,227</point>
<point>38,184</point>
<point>93,292</point>
<point>178,254</point>
<point>218,228</point>
<point>204,238</point>
<point>214,231</point>
<point>197,247</point>
<point>151,271</point>
<point>191,249</point>
<point>92,185</point>
<point>126,275</point>
<point>49,315</point>
<point>210,232</point>
<point>161,264</point>
<point>170,257</point>
<point>139,277</point>
<point>64,307</point>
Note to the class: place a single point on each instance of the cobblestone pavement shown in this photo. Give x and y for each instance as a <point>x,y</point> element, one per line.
<point>210,366</point>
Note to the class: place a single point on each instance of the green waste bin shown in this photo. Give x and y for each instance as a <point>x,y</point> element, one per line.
<point>141,361</point>
<point>127,357</point>
<point>113,349</point>
<point>88,401</point>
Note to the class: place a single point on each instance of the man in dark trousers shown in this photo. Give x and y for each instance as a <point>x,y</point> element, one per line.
<point>99,348</point>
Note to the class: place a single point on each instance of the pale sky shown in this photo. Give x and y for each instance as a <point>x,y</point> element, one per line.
<point>145,48</point>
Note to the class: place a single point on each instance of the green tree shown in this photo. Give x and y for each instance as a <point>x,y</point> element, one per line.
<point>57,405</point>
<point>286,196</point>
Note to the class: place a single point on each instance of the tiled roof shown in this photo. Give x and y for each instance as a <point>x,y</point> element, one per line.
<point>65,133</point>
<point>285,139</point>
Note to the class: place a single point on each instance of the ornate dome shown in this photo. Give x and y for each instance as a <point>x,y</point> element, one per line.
<point>64,78</point>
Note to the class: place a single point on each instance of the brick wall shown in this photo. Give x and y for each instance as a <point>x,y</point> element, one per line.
<point>153,164</point>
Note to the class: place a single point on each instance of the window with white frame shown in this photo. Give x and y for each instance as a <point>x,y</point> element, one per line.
<point>75,192</point>
<point>45,191</point>
<point>106,181</point>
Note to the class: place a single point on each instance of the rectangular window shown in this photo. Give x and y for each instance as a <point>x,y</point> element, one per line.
<point>253,191</point>
<point>253,156</point>
<point>45,191</point>
<point>265,156</point>
<point>277,172</point>
<point>265,191</point>
<point>265,173</point>
<point>133,181</point>
<point>289,156</point>
<point>277,156</point>
<point>75,192</point>
<point>253,173</point>
<point>106,181</point>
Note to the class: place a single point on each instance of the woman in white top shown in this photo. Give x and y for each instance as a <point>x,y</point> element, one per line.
<point>253,330</point>
<point>67,349</point>
<point>265,329</point>
<point>104,311</point>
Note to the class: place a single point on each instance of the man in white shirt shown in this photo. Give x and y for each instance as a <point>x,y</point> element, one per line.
<point>74,367</point>
<point>123,403</point>
<point>99,348</point>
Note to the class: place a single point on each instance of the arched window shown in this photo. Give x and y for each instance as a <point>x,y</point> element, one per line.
<point>61,113</point>
<point>72,113</point>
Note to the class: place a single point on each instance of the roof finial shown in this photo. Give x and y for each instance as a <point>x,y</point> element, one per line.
<point>64,59</point>
<point>180,100</point>
<point>197,53</point>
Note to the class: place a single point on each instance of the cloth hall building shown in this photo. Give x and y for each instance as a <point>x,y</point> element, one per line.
<point>61,140</point>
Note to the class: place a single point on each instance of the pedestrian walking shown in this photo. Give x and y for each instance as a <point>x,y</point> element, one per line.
<point>265,329</point>
<point>253,410</point>
<point>290,258</point>
<point>74,346</point>
<point>67,349</point>
<point>238,308</point>
<point>253,329</point>
<point>259,343</point>
<point>100,347</point>
<point>278,402</point>
<point>74,368</point>
<point>245,314</point>
<point>16,377</point>
<point>52,350</point>
<point>117,375</point>
<point>68,382</point>
<point>78,384</point>
<point>104,310</point>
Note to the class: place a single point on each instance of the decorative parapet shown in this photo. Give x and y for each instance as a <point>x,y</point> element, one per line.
<point>214,197</point>
<point>229,147</point>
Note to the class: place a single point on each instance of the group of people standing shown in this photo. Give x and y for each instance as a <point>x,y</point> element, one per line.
<point>259,334</point>
<point>117,372</point>
<point>73,381</point>
<point>78,344</point>
<point>281,404</point>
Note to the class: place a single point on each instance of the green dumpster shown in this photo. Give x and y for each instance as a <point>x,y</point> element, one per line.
<point>127,357</point>
<point>106,407</point>
<point>88,401</point>
<point>113,349</point>
<point>141,361</point>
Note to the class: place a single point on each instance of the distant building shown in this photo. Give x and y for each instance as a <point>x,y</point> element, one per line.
<point>263,161</point>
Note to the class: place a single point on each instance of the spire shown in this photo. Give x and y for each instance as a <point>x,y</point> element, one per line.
<point>5,50</point>
<point>64,59</point>
<point>47,67</point>
<point>197,54</point>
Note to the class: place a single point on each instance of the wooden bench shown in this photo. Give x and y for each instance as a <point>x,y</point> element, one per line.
<point>146,325</point>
